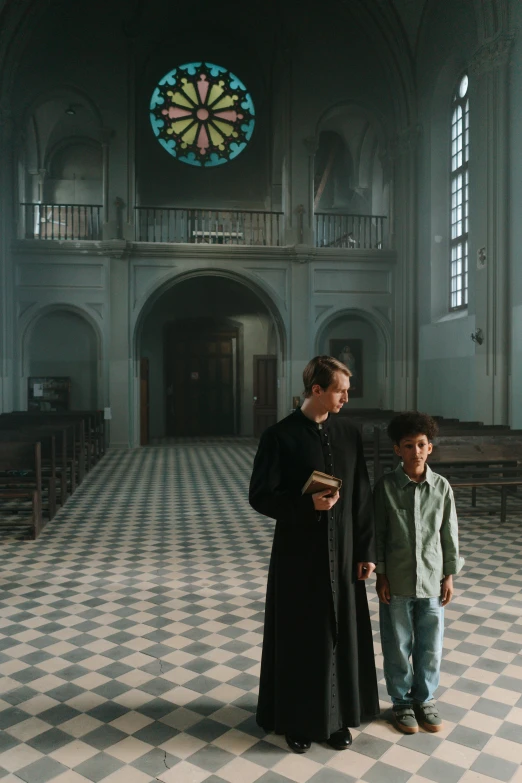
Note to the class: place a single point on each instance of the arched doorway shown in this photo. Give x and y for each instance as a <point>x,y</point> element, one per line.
<point>210,360</point>
<point>61,357</point>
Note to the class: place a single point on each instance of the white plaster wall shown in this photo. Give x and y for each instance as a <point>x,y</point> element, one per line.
<point>446,368</point>
<point>446,352</point>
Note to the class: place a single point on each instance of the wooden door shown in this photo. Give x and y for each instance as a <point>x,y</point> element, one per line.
<point>144,401</point>
<point>265,392</point>
<point>199,369</point>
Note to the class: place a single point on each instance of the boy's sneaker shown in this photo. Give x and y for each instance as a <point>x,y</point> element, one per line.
<point>428,716</point>
<point>404,719</point>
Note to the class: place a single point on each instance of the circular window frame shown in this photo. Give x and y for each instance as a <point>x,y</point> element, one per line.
<point>202,114</point>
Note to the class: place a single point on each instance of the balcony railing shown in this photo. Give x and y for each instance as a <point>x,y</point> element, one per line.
<point>61,221</point>
<point>350,231</point>
<point>208,226</point>
<point>200,226</point>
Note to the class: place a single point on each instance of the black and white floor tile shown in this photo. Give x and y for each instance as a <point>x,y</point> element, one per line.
<point>130,641</point>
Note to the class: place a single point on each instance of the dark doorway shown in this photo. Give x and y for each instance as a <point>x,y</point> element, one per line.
<point>200,374</point>
<point>265,392</point>
<point>144,401</point>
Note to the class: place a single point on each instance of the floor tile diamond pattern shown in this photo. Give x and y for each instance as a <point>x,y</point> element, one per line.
<point>130,640</point>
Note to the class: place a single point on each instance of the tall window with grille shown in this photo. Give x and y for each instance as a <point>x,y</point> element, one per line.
<point>459,196</point>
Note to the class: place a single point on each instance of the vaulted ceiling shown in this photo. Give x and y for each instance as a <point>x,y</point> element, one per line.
<point>410,14</point>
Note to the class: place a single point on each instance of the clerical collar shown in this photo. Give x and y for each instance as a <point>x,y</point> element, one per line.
<point>317,425</point>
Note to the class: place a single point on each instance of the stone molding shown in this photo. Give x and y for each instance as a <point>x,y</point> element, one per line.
<point>242,253</point>
<point>493,54</point>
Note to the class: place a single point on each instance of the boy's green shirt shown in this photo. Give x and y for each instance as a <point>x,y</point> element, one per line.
<point>417,532</point>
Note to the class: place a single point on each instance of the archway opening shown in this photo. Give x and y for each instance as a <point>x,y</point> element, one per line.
<point>349,176</point>
<point>356,342</point>
<point>62,363</point>
<point>208,352</point>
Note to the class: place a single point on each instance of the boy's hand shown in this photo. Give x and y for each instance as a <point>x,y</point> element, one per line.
<point>446,592</point>
<point>324,501</point>
<point>383,588</point>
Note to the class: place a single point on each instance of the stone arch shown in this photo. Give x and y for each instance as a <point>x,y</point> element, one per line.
<point>89,375</point>
<point>276,324</point>
<point>74,167</point>
<point>45,125</point>
<point>269,299</point>
<point>62,93</point>
<point>377,371</point>
<point>361,129</point>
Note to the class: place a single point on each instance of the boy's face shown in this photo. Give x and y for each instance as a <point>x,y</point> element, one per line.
<point>413,451</point>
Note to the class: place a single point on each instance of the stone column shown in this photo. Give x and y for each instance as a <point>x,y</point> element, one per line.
<point>299,188</point>
<point>489,229</point>
<point>7,221</point>
<point>402,156</point>
<point>299,338</point>
<point>106,135</point>
<point>119,351</point>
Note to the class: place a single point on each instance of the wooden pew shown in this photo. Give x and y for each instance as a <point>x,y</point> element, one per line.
<point>76,450</point>
<point>485,436</point>
<point>47,465</point>
<point>64,436</point>
<point>490,465</point>
<point>21,484</point>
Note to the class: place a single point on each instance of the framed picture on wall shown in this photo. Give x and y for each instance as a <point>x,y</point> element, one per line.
<point>350,353</point>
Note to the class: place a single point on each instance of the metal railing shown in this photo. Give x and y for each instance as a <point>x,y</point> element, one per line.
<point>349,231</point>
<point>61,221</point>
<point>208,226</point>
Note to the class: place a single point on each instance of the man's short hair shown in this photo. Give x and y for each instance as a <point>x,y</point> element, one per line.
<point>410,423</point>
<point>321,370</point>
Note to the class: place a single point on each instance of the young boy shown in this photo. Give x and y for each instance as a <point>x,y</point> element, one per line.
<point>417,556</point>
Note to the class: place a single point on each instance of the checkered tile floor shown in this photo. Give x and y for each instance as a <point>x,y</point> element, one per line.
<point>130,638</point>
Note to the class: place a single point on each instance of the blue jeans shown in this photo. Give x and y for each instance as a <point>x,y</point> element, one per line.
<point>411,628</point>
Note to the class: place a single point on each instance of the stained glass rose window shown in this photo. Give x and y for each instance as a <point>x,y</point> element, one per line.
<point>202,114</point>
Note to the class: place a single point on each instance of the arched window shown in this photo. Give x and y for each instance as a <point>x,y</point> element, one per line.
<point>459,196</point>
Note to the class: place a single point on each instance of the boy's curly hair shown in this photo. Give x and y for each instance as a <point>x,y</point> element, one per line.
<point>412,423</point>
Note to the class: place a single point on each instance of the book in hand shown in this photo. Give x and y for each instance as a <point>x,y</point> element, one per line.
<point>318,482</point>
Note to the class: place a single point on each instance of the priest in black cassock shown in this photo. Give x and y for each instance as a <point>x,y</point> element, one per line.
<point>318,670</point>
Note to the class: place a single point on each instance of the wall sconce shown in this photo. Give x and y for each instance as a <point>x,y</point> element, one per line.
<point>478,336</point>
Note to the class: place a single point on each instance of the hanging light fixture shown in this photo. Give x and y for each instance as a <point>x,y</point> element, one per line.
<point>71,108</point>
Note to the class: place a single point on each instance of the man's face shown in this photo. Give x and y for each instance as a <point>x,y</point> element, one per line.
<point>335,396</point>
<point>413,451</point>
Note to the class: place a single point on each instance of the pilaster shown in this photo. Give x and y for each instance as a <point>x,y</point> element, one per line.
<point>120,364</point>
<point>489,226</point>
<point>6,266</point>
<point>402,156</point>
<point>300,343</point>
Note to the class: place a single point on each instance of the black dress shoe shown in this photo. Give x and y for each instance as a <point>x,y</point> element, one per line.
<point>340,740</point>
<point>298,744</point>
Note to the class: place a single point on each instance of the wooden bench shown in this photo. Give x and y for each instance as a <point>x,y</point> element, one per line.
<point>76,449</point>
<point>47,463</point>
<point>21,485</point>
<point>489,465</point>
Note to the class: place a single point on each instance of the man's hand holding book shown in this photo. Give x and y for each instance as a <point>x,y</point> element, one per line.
<point>324,490</point>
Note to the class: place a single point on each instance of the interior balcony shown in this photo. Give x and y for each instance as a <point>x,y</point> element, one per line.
<point>179,225</point>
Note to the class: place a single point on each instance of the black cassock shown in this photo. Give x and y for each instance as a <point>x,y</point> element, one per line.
<point>318,667</point>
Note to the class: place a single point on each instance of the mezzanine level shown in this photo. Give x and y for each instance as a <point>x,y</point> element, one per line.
<point>178,225</point>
